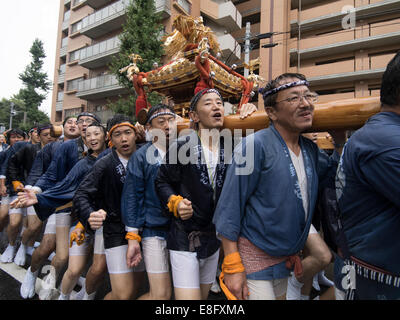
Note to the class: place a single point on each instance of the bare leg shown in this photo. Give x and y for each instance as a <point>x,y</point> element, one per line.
<point>34,226</point>
<point>160,287</point>
<point>318,256</point>
<point>47,246</point>
<point>125,286</point>
<point>14,227</point>
<point>62,245</point>
<point>76,265</point>
<point>4,219</point>
<point>187,294</point>
<point>96,273</point>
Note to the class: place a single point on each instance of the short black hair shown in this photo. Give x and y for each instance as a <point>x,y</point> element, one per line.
<point>270,101</point>
<point>116,119</point>
<point>43,126</point>
<point>155,109</point>
<point>15,131</point>
<point>99,125</point>
<point>67,118</point>
<point>89,114</point>
<point>390,87</point>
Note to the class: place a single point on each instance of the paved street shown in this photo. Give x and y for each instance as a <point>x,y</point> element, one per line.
<point>12,275</point>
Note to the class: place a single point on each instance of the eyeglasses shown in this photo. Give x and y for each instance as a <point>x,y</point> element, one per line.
<point>87,121</point>
<point>310,97</point>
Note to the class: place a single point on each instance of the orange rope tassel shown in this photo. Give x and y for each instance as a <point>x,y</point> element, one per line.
<point>133,236</point>
<point>232,264</point>
<point>173,204</point>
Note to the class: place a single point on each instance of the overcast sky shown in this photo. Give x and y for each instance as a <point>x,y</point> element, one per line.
<point>21,21</point>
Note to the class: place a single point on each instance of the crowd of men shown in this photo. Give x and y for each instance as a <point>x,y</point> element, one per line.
<point>144,203</point>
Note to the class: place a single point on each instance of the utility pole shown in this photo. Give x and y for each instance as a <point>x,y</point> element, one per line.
<point>12,113</point>
<point>247,48</point>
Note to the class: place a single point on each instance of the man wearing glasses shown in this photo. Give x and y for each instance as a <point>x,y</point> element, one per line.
<point>264,217</point>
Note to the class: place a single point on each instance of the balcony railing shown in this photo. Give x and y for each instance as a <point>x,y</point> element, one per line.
<point>185,5</point>
<point>99,54</point>
<point>100,87</point>
<point>59,106</point>
<point>224,14</point>
<point>112,17</point>
<point>337,48</point>
<point>105,20</point>
<point>230,48</point>
<point>362,12</point>
<point>164,7</point>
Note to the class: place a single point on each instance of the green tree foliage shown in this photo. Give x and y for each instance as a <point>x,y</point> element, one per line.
<point>35,88</point>
<point>142,33</point>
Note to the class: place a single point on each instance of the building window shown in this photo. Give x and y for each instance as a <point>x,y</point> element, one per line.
<point>253,19</point>
<point>72,85</point>
<point>67,16</point>
<point>74,55</point>
<point>76,26</point>
<point>72,112</point>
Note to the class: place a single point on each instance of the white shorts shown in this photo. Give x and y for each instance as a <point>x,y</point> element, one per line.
<point>155,255</point>
<point>99,242</point>
<point>267,289</point>
<point>5,200</point>
<point>16,211</point>
<point>312,230</point>
<point>30,211</point>
<point>63,219</point>
<point>51,225</point>
<point>188,272</point>
<point>116,261</point>
<point>339,294</point>
<point>83,249</point>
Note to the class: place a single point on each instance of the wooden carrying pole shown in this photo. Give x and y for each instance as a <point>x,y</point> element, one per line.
<point>349,114</point>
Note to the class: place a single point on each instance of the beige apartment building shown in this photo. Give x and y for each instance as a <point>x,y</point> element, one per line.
<point>342,46</point>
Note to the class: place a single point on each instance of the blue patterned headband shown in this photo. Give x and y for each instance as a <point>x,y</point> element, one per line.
<point>201,93</point>
<point>283,87</point>
<point>165,113</point>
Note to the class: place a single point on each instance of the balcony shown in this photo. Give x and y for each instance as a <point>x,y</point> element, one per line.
<point>59,106</point>
<point>61,78</point>
<point>230,48</point>
<point>61,74</point>
<point>304,3</point>
<point>164,7</point>
<point>99,54</point>
<point>65,23</point>
<point>60,100</point>
<point>224,14</point>
<point>347,46</point>
<point>100,87</point>
<point>184,6</point>
<point>347,77</point>
<point>63,52</point>
<point>105,20</point>
<point>95,4</point>
<point>113,16</point>
<point>362,12</point>
<point>77,4</point>
<point>104,115</point>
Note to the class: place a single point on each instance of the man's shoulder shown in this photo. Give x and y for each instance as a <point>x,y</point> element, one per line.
<point>141,151</point>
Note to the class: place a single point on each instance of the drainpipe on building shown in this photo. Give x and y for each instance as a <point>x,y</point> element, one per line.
<point>299,38</point>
